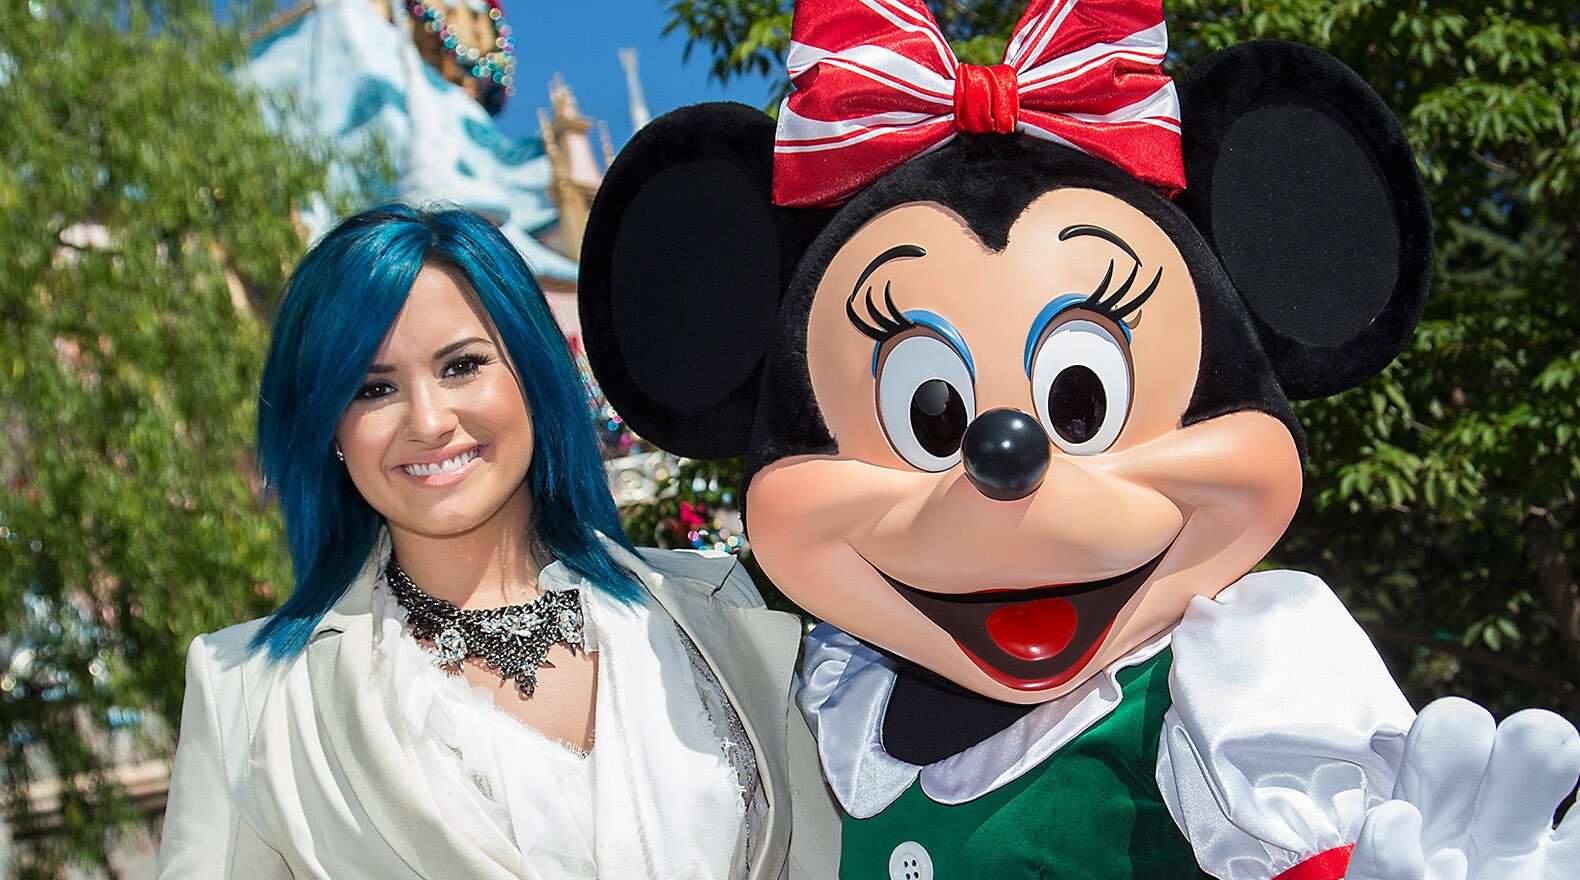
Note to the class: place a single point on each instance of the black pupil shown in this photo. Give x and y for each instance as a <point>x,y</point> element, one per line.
<point>1077,404</point>
<point>938,417</point>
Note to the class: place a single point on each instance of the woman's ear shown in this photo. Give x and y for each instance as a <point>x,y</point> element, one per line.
<point>681,272</point>
<point>1304,184</point>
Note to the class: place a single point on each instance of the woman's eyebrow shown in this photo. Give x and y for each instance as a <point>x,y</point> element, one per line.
<point>1099,232</point>
<point>454,346</point>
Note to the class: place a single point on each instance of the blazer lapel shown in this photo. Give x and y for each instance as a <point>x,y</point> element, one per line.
<point>752,652</point>
<point>378,770</point>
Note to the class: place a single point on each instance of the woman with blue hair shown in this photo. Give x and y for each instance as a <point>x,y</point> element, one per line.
<point>468,618</point>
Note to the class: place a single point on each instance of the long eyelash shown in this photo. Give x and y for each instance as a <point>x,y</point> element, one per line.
<point>481,360</point>
<point>1110,306</point>
<point>883,326</point>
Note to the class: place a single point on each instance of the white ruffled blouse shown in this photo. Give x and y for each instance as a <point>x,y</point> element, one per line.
<point>1285,727</point>
<point>670,788</point>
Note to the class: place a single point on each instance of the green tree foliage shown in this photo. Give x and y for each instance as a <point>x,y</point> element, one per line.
<point>1440,496</point>
<point>751,36</point>
<point>146,219</point>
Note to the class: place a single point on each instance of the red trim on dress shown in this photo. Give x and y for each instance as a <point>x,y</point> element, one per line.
<point>1329,865</point>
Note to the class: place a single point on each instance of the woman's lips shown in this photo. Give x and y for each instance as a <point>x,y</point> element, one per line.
<point>445,472</point>
<point>1034,638</point>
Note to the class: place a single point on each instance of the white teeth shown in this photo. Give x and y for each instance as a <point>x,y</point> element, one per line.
<point>443,467</point>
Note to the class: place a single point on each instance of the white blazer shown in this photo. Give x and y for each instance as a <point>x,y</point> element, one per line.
<point>278,773</point>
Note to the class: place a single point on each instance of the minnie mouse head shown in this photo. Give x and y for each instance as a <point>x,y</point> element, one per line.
<point>1009,399</point>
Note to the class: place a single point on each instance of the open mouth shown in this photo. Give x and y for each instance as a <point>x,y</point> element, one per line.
<point>446,472</point>
<point>440,468</point>
<point>1031,639</point>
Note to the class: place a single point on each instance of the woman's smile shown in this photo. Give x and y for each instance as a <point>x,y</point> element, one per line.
<point>444,468</point>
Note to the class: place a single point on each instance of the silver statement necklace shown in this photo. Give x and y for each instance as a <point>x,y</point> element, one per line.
<point>513,640</point>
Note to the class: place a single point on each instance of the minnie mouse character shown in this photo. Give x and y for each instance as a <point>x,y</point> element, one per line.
<point>1009,351</point>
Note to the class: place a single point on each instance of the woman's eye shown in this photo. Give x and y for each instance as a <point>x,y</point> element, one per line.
<point>1081,382</point>
<point>374,390</point>
<point>465,365</point>
<point>925,400</point>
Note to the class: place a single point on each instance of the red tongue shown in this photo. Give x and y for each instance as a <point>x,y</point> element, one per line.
<point>1033,630</point>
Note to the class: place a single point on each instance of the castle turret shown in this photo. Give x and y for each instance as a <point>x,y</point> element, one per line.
<point>576,171</point>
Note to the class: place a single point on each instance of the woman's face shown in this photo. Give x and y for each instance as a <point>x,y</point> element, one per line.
<point>438,437</point>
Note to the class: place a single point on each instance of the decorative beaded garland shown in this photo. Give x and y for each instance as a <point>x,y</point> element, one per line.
<point>497,65</point>
<point>512,640</point>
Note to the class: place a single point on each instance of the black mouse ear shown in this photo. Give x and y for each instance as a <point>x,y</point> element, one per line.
<point>680,278</point>
<point>1302,180</point>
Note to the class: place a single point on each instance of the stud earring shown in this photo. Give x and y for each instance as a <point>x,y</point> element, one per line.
<point>340,455</point>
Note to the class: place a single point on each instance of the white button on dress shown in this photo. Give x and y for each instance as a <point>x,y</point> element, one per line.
<point>910,861</point>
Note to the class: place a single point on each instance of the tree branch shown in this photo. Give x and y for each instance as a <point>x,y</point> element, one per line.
<point>1561,688</point>
<point>1554,574</point>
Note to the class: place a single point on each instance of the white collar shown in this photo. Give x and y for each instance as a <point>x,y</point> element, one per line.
<point>846,689</point>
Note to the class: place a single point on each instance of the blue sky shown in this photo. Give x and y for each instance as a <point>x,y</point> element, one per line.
<point>580,38</point>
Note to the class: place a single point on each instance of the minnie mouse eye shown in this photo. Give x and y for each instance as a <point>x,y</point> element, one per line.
<point>1081,382</point>
<point>925,401</point>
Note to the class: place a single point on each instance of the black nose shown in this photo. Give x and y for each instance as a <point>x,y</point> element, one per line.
<point>1006,454</point>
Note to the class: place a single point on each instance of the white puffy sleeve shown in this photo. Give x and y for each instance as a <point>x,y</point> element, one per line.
<point>1285,729</point>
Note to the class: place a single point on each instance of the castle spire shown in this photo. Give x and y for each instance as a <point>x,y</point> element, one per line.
<point>633,87</point>
<point>576,172</point>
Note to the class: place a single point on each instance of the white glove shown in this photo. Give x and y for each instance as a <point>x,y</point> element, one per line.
<point>1474,800</point>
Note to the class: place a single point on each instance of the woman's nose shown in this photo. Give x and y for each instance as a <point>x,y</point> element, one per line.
<point>431,417</point>
<point>1006,454</point>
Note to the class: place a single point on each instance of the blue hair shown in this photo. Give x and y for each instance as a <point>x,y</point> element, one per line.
<point>338,306</point>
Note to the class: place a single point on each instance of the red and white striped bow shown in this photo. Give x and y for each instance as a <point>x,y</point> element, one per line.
<point>876,84</point>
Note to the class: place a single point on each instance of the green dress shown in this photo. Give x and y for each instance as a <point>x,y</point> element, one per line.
<point>1091,811</point>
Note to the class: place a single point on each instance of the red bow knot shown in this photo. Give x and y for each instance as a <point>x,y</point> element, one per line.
<point>985,99</point>
<point>876,84</point>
